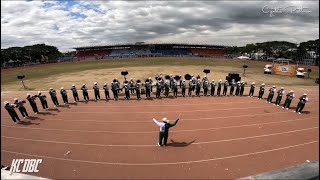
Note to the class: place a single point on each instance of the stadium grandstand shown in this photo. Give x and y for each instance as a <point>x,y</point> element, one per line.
<point>141,49</point>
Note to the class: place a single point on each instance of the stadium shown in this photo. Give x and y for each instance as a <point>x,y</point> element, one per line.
<point>108,90</point>
<point>140,49</point>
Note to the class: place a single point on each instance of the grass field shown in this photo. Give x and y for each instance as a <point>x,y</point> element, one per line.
<point>66,74</point>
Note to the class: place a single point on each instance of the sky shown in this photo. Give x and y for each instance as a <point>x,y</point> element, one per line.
<point>68,24</point>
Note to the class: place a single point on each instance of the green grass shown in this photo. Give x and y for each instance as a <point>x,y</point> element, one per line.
<point>9,78</point>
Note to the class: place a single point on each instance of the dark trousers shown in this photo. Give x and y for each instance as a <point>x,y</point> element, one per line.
<point>205,91</point>
<point>287,103</point>
<point>261,94</point>
<point>23,111</point>
<point>183,92</point>
<point>270,97</point>
<point>198,91</point>
<point>158,92</point>
<point>132,89</point>
<point>212,91</point>
<point>138,94</point>
<point>44,104</point>
<point>166,92</point>
<point>251,92</point>
<point>190,91</point>
<point>127,94</point>
<point>97,94</point>
<point>241,91</point>
<point>55,100</point>
<point>278,100</point>
<point>225,89</point>
<point>86,96</point>
<point>231,91</point>
<point>107,94</point>
<point>218,91</point>
<point>115,94</point>
<point>75,96</point>
<point>175,92</point>
<point>14,116</point>
<point>300,106</point>
<point>65,99</point>
<point>237,91</point>
<point>163,136</point>
<point>34,107</point>
<point>147,93</point>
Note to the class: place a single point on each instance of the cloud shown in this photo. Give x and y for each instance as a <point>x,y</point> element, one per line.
<point>67,24</point>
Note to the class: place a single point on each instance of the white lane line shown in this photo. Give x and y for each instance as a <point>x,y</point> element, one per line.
<point>221,117</point>
<point>165,163</point>
<point>147,132</point>
<point>133,145</point>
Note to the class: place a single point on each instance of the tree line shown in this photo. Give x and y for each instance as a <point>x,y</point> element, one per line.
<point>38,53</point>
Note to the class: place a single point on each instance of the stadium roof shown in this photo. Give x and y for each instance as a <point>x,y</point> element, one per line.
<point>143,44</point>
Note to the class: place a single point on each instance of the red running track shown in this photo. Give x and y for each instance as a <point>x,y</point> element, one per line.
<point>216,138</point>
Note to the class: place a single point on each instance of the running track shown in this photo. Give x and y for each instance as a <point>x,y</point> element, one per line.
<point>216,138</point>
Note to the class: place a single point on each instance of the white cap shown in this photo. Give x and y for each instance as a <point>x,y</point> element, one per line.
<point>273,86</point>
<point>39,92</point>
<point>73,85</point>
<point>212,79</point>
<point>252,82</point>
<point>28,94</point>
<point>291,91</point>
<point>83,84</point>
<point>165,120</point>
<point>105,83</point>
<point>262,84</point>
<point>51,88</point>
<point>219,79</point>
<point>95,83</point>
<point>305,94</point>
<point>205,76</point>
<point>6,102</point>
<point>282,88</point>
<point>149,77</point>
<point>15,99</point>
<point>62,88</point>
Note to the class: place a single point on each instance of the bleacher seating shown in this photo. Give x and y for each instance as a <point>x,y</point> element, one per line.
<point>208,52</point>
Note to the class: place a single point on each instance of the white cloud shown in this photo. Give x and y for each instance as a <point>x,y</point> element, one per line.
<point>81,23</point>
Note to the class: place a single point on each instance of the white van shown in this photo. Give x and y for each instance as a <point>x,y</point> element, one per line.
<point>300,72</point>
<point>268,69</point>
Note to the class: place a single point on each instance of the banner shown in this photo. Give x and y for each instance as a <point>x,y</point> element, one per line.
<point>284,70</point>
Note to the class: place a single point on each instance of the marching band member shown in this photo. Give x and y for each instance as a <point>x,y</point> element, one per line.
<point>10,108</point>
<point>43,100</point>
<point>212,87</point>
<point>85,93</point>
<point>20,105</point>
<point>279,97</point>
<point>32,102</point>
<point>183,88</point>
<point>106,91</point>
<point>54,98</point>
<point>232,85</point>
<point>225,87</point>
<point>126,88</point>
<point>164,130</point>
<point>219,87</point>
<point>288,101</point>
<point>114,89</point>
<point>252,87</point>
<point>302,101</point>
<point>242,87</point>
<point>205,88</point>
<point>271,94</point>
<point>96,91</point>
<point>64,95</point>
<point>137,86</point>
<point>74,93</point>
<point>261,91</point>
<point>238,88</point>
